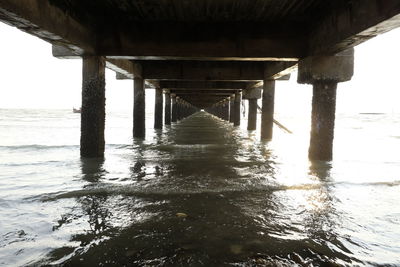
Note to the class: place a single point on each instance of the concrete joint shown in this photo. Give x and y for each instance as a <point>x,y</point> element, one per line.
<point>254,93</point>
<point>336,68</point>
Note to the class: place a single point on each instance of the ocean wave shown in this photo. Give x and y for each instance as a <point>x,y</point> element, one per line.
<point>37,147</point>
<point>134,190</point>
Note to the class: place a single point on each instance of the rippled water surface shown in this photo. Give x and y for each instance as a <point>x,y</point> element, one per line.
<point>200,192</point>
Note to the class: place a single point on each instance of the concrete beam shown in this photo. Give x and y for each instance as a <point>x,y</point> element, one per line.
<point>125,69</point>
<point>276,71</point>
<point>203,92</point>
<point>188,40</point>
<point>353,23</point>
<point>49,23</point>
<point>254,93</point>
<point>203,70</point>
<point>336,68</point>
<point>203,85</point>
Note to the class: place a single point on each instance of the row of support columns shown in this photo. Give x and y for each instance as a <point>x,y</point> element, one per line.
<point>323,72</point>
<point>228,109</point>
<point>92,140</point>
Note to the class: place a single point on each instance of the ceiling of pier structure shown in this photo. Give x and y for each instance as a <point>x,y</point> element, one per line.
<point>202,44</point>
<point>167,37</point>
<point>202,29</point>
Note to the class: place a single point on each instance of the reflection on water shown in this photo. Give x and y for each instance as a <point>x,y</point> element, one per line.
<point>202,192</point>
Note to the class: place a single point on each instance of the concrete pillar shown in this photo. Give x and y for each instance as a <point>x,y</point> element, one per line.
<point>267,115</point>
<point>252,121</point>
<point>167,109</point>
<point>324,72</point>
<point>139,123</point>
<point>93,107</point>
<point>158,109</point>
<point>238,101</point>
<point>322,120</point>
<point>231,109</point>
<point>174,108</point>
<point>178,109</point>
<point>226,111</point>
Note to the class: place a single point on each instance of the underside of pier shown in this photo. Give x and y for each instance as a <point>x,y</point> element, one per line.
<point>207,54</point>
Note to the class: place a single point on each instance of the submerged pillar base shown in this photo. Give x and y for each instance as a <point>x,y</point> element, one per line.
<point>167,111</point>
<point>158,109</point>
<point>236,116</point>
<point>322,121</point>
<point>252,120</point>
<point>324,72</point>
<point>93,107</point>
<point>174,116</point>
<point>139,123</point>
<point>267,115</point>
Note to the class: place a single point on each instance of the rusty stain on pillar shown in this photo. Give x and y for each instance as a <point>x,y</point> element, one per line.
<point>167,111</point>
<point>158,109</point>
<point>267,115</point>
<point>238,100</point>
<point>139,124</point>
<point>174,108</point>
<point>93,107</point>
<point>252,120</point>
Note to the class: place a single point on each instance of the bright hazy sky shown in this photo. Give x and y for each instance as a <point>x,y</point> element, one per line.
<point>31,78</point>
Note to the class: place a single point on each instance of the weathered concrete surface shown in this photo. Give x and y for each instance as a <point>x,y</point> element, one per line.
<point>226,110</point>
<point>209,92</point>
<point>204,85</point>
<point>324,72</point>
<point>158,109</point>
<point>93,107</point>
<point>139,125</point>
<point>203,70</point>
<point>238,101</point>
<point>252,119</point>
<point>231,109</point>
<point>338,68</point>
<point>267,115</point>
<point>49,23</point>
<point>174,115</point>
<point>167,112</point>
<point>322,120</point>
<point>350,24</point>
<point>254,93</point>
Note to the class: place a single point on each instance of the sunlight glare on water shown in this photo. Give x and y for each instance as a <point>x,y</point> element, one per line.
<point>200,192</point>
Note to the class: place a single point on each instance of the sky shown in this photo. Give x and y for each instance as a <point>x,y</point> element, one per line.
<point>30,77</point>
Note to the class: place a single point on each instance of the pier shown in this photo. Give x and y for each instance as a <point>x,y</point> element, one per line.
<point>209,55</point>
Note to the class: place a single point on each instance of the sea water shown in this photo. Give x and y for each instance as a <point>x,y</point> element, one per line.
<point>200,192</point>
